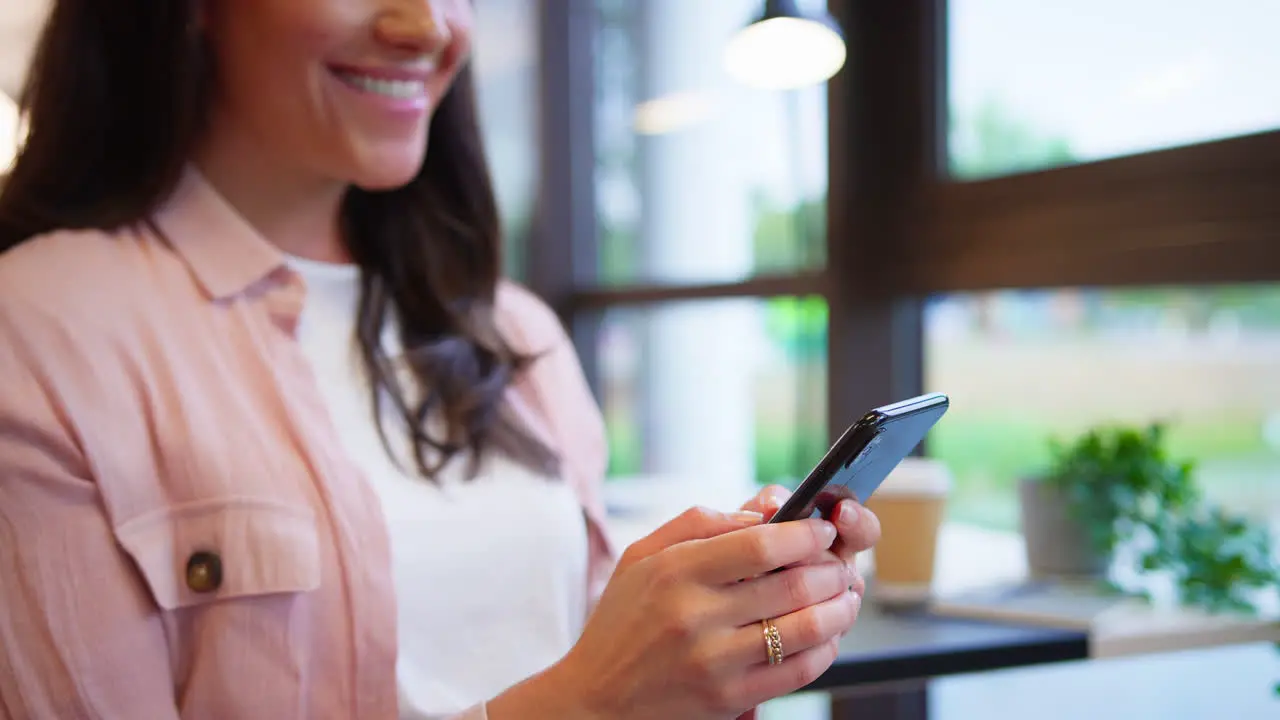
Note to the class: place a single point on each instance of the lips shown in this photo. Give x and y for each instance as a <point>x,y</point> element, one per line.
<point>394,81</point>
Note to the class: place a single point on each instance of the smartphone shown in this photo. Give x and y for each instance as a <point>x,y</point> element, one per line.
<point>864,456</point>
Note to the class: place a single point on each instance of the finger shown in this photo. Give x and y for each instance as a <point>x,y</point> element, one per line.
<point>762,683</point>
<point>800,630</point>
<point>858,586</point>
<point>830,556</point>
<point>782,593</point>
<point>755,550</point>
<point>823,556</point>
<point>858,582</point>
<point>768,501</point>
<point>859,529</point>
<point>697,523</point>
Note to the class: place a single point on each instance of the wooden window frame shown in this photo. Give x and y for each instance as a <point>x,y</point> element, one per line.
<point>899,229</point>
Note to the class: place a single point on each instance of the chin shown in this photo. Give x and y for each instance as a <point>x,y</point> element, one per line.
<point>388,170</point>
<point>386,177</point>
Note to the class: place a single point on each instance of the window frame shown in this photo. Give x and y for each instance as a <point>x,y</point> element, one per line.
<point>900,229</point>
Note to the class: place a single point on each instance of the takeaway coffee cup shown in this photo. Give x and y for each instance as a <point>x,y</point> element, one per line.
<point>910,505</point>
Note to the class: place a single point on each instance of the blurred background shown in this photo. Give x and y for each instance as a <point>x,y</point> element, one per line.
<point>699,180</point>
<point>1060,214</point>
<point>1056,213</point>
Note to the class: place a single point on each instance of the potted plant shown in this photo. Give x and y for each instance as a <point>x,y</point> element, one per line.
<point>1098,490</point>
<point>1117,486</point>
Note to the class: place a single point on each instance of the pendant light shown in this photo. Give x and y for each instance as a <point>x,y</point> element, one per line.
<point>786,48</point>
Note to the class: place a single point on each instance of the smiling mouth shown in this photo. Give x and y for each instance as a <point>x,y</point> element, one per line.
<point>392,88</point>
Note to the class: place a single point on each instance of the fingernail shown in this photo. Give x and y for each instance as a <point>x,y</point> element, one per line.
<point>848,515</point>
<point>829,532</point>
<point>746,517</point>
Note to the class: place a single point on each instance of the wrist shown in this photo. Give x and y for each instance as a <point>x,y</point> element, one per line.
<point>560,692</point>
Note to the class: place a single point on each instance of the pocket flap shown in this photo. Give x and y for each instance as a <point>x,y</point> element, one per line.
<point>259,547</point>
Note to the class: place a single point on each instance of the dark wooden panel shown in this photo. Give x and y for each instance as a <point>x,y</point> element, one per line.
<point>895,701</point>
<point>1199,214</point>
<point>562,251</point>
<point>884,143</point>
<point>909,646</point>
<point>892,701</point>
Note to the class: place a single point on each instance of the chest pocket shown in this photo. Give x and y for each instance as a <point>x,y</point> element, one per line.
<point>222,549</point>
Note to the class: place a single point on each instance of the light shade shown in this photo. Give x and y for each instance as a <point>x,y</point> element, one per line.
<point>786,49</point>
<point>9,137</point>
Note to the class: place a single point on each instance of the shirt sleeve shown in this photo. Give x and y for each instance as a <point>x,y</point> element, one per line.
<point>79,636</point>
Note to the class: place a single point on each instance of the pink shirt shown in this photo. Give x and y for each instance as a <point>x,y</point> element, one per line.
<point>180,535</point>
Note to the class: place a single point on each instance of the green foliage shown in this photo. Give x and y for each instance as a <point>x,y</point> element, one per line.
<point>618,251</point>
<point>992,141</point>
<point>625,446</point>
<point>791,238</point>
<point>1120,480</point>
<point>1277,688</point>
<point>798,326</point>
<point>515,243</point>
<point>786,456</point>
<point>1217,557</point>
<point>1122,484</point>
<point>1254,306</point>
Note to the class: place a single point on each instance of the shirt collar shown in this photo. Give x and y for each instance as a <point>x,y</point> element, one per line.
<point>225,253</point>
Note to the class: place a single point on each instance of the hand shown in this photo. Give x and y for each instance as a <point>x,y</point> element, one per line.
<point>677,632</point>
<point>859,529</point>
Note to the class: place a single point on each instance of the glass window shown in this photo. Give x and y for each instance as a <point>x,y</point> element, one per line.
<point>699,178</point>
<point>719,393</point>
<point>8,133</point>
<point>1037,85</point>
<point>506,72</point>
<point>1024,366</point>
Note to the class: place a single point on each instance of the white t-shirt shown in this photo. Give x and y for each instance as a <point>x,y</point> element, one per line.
<point>490,573</point>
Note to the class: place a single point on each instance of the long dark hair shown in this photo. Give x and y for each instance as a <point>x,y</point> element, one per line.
<point>115,102</point>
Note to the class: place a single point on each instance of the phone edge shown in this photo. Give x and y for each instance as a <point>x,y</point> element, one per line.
<point>868,426</point>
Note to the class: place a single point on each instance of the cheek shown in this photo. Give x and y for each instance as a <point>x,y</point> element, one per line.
<point>270,92</point>
<point>462,25</point>
<point>271,78</point>
<point>284,108</point>
<point>462,16</point>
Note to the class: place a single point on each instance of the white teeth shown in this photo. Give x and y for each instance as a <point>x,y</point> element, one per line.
<point>400,89</point>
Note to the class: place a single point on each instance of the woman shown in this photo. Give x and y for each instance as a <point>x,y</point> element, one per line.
<point>275,439</point>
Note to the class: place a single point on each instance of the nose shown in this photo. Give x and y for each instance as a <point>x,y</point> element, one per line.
<point>419,27</point>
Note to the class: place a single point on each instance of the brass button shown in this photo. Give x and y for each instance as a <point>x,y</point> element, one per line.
<point>204,572</point>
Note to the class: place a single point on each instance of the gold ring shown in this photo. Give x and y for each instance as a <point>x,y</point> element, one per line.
<point>772,642</point>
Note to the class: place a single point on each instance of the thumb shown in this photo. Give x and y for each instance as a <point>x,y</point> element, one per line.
<point>696,523</point>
